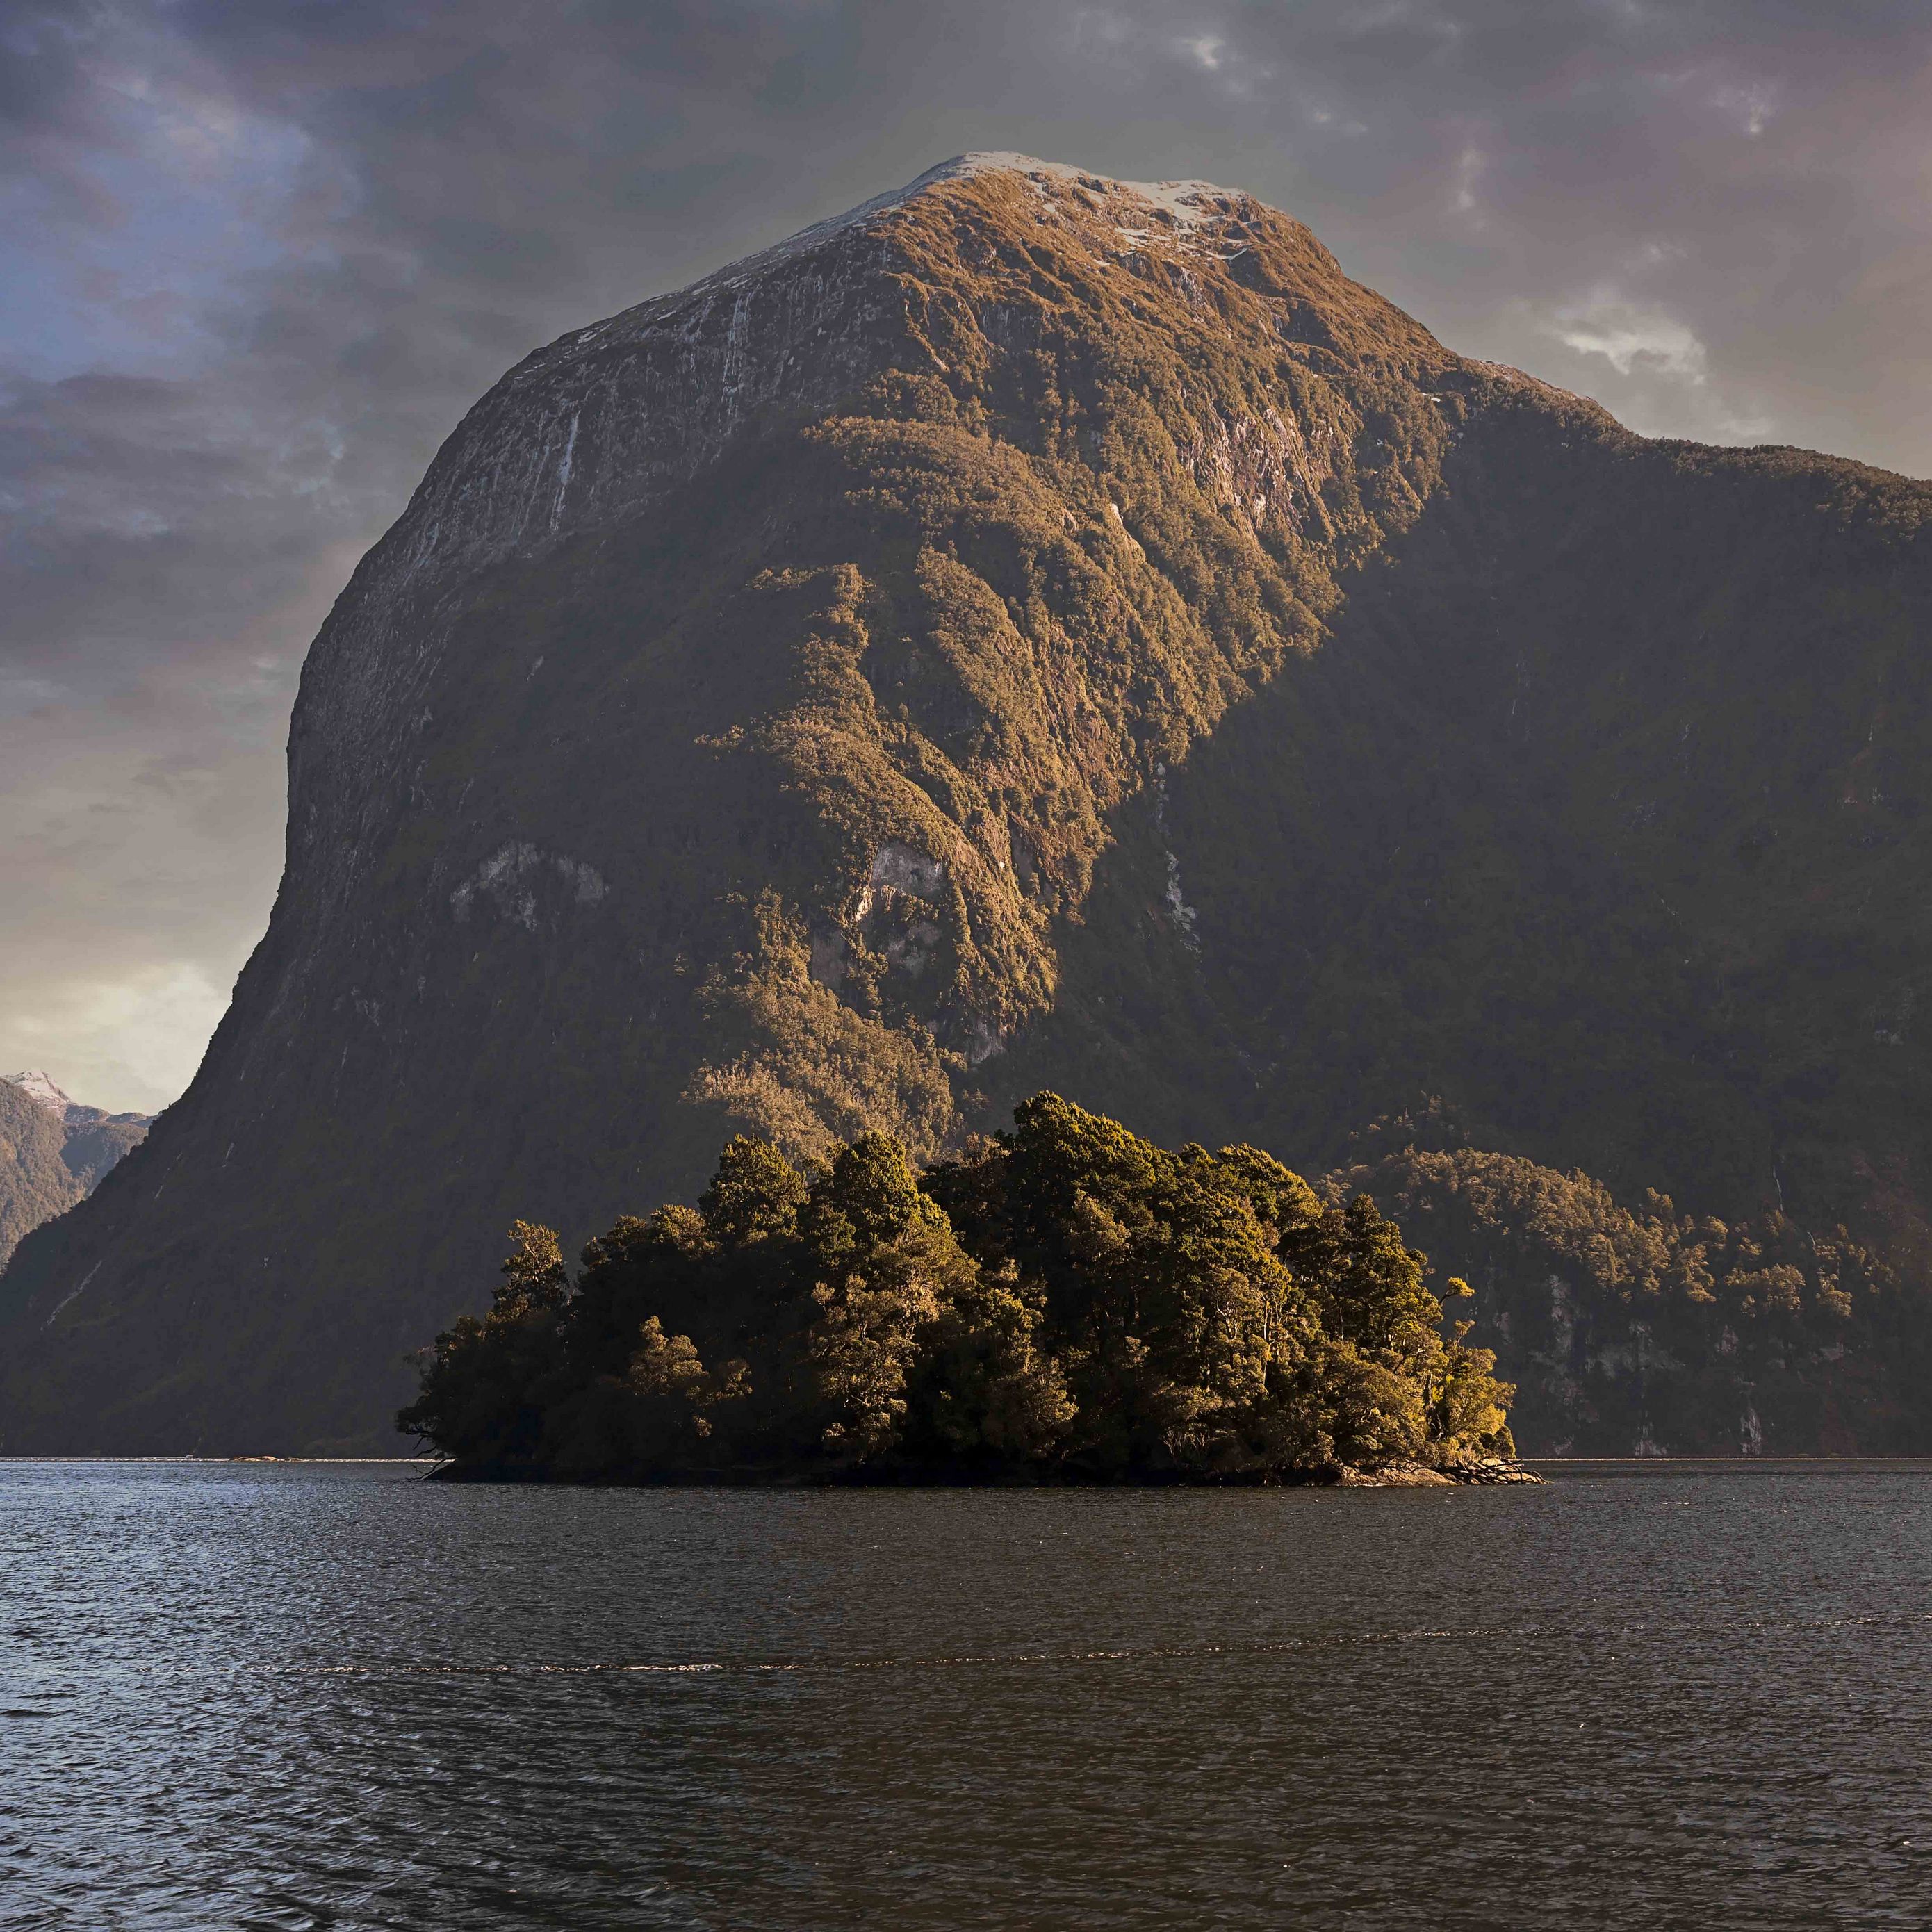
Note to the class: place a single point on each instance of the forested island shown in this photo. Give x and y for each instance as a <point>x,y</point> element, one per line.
<point>1066,1301</point>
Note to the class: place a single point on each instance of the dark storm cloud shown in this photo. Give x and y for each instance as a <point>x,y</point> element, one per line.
<point>261,256</point>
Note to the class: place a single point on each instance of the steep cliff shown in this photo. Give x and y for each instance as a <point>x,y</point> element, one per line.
<point>1034,631</point>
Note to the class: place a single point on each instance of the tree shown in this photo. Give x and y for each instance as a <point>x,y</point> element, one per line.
<point>869,1195</point>
<point>755,1195</point>
<point>986,1390</point>
<point>485,1387</point>
<point>1369,1286</point>
<point>534,1278</point>
<point>1067,1295</point>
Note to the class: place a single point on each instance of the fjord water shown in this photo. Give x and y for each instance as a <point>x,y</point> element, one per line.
<point>334,1696</point>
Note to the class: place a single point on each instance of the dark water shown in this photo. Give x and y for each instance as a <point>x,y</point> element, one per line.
<point>334,1697</point>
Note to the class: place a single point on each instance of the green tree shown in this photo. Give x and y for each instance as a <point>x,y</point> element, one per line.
<point>870,1194</point>
<point>485,1387</point>
<point>987,1390</point>
<point>534,1277</point>
<point>1068,1294</point>
<point>873,1315</point>
<point>1369,1285</point>
<point>755,1195</point>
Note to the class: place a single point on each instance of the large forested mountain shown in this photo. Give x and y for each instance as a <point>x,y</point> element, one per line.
<point>1040,631</point>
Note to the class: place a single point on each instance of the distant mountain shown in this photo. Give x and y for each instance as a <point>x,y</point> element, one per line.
<point>37,1086</point>
<point>53,1151</point>
<point>1043,632</point>
<point>35,1184</point>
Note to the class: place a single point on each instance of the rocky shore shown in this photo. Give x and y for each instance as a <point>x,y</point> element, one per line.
<point>1416,1476</point>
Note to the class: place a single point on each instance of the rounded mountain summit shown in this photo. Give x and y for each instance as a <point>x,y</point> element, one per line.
<point>1035,630</point>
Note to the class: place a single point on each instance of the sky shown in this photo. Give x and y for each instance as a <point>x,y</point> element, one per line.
<point>257,257</point>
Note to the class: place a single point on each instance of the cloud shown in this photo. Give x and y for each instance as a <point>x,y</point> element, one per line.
<point>1631,338</point>
<point>130,1034</point>
<point>1750,106</point>
<point>258,260</point>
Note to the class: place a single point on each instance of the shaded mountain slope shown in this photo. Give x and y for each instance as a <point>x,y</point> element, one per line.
<point>1602,809</point>
<point>1035,631</point>
<point>93,1146</point>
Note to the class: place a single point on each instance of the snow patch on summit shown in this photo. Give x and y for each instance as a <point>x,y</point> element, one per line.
<point>1181,201</point>
<point>37,1086</point>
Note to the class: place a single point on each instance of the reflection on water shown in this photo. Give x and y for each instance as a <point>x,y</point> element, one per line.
<point>316,1696</point>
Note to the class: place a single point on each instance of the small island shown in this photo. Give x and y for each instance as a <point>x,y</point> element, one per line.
<point>1066,1302</point>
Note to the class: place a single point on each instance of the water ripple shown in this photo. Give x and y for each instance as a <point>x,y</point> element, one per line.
<point>279,1697</point>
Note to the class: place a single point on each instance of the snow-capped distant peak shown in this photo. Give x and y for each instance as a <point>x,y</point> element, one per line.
<point>37,1086</point>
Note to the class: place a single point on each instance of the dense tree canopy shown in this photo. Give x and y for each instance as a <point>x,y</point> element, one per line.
<point>1066,1297</point>
<point>1632,1322</point>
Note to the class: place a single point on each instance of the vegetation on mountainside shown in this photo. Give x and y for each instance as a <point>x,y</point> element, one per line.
<point>1066,1298</point>
<point>51,1156</point>
<point>1016,580</point>
<point>1629,1321</point>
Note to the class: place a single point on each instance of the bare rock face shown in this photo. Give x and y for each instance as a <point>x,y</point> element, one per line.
<point>1034,630</point>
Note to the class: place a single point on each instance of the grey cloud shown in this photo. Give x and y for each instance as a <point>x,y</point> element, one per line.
<point>269,255</point>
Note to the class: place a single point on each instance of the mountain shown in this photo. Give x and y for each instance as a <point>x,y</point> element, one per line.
<point>1043,632</point>
<point>38,1087</point>
<point>52,1152</point>
<point>35,1184</point>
